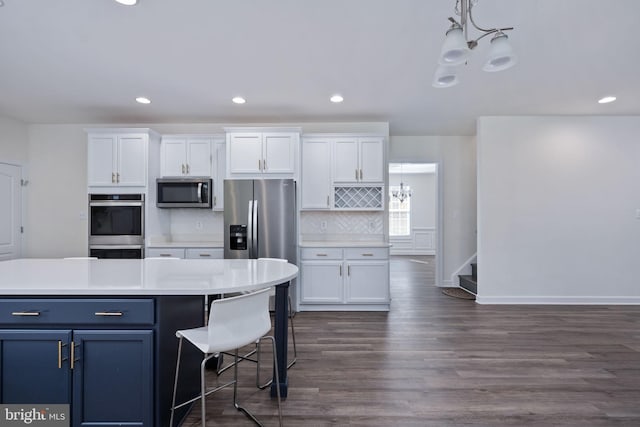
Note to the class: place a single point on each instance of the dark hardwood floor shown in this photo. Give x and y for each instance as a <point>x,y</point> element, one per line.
<point>435,360</point>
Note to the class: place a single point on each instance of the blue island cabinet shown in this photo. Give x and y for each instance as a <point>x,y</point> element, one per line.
<point>111,359</point>
<point>108,383</point>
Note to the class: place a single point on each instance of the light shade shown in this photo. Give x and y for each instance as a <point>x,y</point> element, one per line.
<point>501,54</point>
<point>127,2</point>
<point>455,50</point>
<point>445,76</point>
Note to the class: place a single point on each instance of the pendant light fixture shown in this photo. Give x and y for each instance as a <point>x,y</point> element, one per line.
<point>402,193</point>
<point>457,46</point>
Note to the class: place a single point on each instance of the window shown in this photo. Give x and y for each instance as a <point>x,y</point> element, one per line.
<point>399,214</point>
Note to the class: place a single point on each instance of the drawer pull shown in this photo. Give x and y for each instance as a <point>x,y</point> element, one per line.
<point>25,313</point>
<point>321,254</point>
<point>367,254</point>
<point>108,313</point>
<point>205,255</point>
<point>166,255</point>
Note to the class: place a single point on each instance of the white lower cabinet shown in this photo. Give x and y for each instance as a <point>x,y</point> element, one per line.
<point>344,279</point>
<point>186,253</point>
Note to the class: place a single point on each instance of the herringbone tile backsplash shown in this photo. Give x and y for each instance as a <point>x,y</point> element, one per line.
<point>341,222</point>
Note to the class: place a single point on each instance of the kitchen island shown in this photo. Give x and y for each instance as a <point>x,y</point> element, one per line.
<point>100,334</point>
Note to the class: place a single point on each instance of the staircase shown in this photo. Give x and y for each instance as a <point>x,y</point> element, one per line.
<point>470,282</point>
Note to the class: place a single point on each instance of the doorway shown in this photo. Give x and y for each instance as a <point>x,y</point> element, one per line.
<point>414,212</point>
<point>10,211</point>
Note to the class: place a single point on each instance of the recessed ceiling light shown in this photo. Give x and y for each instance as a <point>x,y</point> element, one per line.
<point>336,98</point>
<point>127,2</point>
<point>238,100</point>
<point>143,100</point>
<point>1,3</point>
<point>606,99</point>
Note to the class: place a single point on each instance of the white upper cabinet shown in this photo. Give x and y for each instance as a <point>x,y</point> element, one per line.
<point>359,160</point>
<point>256,154</point>
<point>117,159</point>
<point>185,156</point>
<point>316,173</point>
<point>220,161</point>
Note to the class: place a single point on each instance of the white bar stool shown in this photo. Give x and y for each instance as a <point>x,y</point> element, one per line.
<point>233,323</point>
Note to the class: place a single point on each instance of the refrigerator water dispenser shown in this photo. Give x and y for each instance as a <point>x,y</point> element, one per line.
<point>238,237</point>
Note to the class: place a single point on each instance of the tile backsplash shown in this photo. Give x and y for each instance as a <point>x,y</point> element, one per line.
<point>367,223</point>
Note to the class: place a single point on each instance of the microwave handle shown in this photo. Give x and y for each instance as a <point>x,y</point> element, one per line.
<point>199,192</point>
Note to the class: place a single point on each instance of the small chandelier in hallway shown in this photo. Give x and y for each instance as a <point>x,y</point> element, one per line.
<point>402,193</point>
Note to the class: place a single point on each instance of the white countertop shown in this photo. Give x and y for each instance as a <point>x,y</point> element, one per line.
<point>216,244</point>
<point>30,277</point>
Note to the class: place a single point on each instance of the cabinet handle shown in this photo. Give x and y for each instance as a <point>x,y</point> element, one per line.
<point>187,168</point>
<point>108,313</point>
<point>183,169</point>
<point>321,254</point>
<point>356,174</point>
<point>327,200</point>
<point>72,359</point>
<point>205,255</point>
<point>113,178</point>
<point>348,270</point>
<point>264,165</point>
<point>166,255</point>
<point>25,313</point>
<point>360,174</point>
<point>367,254</point>
<point>215,200</point>
<point>259,164</point>
<point>118,177</point>
<point>340,270</point>
<point>59,354</point>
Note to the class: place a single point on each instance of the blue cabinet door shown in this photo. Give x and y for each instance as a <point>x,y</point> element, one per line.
<point>113,378</point>
<point>34,366</point>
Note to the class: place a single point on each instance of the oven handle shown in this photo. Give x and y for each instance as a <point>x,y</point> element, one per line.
<point>123,203</point>
<point>115,247</point>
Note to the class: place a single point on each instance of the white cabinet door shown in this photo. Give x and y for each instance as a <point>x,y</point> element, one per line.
<point>172,157</point>
<point>132,161</point>
<point>345,160</point>
<point>245,153</point>
<point>278,153</point>
<point>321,282</point>
<point>198,157</point>
<point>101,166</point>
<point>220,159</point>
<point>367,282</point>
<point>316,174</point>
<point>371,160</point>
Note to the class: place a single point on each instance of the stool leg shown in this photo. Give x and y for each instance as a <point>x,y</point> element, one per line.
<point>175,383</point>
<point>203,389</point>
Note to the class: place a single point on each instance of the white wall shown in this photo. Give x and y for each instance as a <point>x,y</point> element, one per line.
<point>57,156</point>
<point>456,159</point>
<point>14,140</point>
<point>558,201</point>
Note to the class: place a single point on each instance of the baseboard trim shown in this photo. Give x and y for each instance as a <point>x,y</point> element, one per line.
<point>559,300</point>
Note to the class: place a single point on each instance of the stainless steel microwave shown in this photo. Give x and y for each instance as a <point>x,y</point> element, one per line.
<point>184,192</point>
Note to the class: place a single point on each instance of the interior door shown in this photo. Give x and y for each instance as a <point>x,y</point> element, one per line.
<point>10,211</point>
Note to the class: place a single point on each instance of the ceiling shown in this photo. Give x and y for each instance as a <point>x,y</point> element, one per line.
<point>84,61</point>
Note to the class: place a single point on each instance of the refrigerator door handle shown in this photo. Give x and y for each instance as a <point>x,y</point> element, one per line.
<point>250,229</point>
<point>254,221</point>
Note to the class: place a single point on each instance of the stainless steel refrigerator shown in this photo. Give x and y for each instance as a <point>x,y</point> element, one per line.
<point>260,219</point>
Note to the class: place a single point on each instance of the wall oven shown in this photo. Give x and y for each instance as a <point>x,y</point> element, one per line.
<point>116,225</point>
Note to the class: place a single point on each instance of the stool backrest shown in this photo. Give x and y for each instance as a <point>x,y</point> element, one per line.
<point>238,321</point>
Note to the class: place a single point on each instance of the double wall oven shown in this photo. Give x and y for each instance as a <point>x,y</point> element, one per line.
<point>116,225</point>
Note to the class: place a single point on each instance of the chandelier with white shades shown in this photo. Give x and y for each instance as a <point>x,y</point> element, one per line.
<point>457,46</point>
